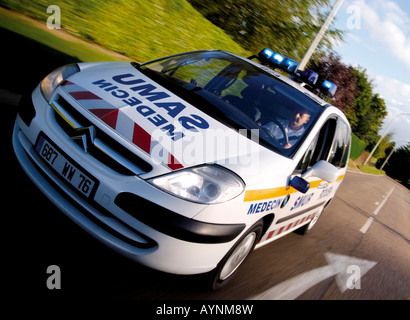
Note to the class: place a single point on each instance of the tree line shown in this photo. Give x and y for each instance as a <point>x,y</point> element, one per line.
<point>288,27</point>
<point>398,165</point>
<point>355,96</point>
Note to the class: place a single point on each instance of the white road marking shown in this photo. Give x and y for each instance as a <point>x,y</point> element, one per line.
<point>294,287</point>
<point>366,225</point>
<point>383,202</point>
<point>375,212</point>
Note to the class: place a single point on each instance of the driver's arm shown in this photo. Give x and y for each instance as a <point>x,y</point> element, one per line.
<point>276,132</point>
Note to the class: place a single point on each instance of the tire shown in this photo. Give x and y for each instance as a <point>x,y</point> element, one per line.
<point>230,264</point>
<point>307,227</point>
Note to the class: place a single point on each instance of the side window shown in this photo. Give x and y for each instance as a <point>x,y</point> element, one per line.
<point>332,144</point>
<point>339,152</point>
<point>325,140</point>
<point>305,162</point>
<point>320,147</point>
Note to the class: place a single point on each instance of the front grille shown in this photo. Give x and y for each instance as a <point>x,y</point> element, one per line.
<point>101,146</point>
<point>148,242</point>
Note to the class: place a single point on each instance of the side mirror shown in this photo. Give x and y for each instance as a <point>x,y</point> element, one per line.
<point>323,170</point>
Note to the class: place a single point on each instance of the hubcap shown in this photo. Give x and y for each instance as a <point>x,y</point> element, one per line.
<point>238,256</point>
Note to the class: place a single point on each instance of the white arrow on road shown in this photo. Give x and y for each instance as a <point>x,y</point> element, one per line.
<point>294,287</point>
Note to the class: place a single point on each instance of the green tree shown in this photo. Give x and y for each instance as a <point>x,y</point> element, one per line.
<point>384,147</point>
<point>355,97</point>
<point>358,111</point>
<point>286,26</point>
<point>371,124</point>
<point>330,67</point>
<point>368,110</point>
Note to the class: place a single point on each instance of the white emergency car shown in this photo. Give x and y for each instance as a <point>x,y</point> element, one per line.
<point>185,164</point>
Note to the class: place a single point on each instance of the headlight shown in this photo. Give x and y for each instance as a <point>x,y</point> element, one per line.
<point>205,184</point>
<point>51,82</point>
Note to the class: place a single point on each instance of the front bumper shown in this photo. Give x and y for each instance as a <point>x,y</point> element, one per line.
<point>124,213</point>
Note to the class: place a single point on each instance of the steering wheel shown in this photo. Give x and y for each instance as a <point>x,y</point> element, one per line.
<point>282,128</point>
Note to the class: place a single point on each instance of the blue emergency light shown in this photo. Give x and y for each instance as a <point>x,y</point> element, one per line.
<point>289,65</point>
<point>328,88</point>
<point>309,77</point>
<point>265,55</point>
<point>277,60</point>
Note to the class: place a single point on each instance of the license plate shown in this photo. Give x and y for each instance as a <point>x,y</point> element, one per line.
<point>65,167</point>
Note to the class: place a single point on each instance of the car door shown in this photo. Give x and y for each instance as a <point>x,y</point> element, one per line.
<point>331,144</point>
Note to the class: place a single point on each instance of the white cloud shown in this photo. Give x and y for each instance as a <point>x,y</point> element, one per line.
<point>389,25</point>
<point>354,37</point>
<point>395,102</point>
<point>397,97</point>
<point>393,89</point>
<point>394,13</point>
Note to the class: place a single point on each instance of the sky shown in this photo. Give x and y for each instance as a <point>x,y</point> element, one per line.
<point>377,39</point>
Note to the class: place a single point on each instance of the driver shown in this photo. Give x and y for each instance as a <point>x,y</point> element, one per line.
<point>294,128</point>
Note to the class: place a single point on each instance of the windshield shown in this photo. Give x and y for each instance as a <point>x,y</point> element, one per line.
<point>240,95</point>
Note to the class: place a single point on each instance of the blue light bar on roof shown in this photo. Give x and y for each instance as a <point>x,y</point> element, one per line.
<point>327,84</point>
<point>328,88</point>
<point>277,60</point>
<point>265,55</point>
<point>289,65</point>
<point>308,76</point>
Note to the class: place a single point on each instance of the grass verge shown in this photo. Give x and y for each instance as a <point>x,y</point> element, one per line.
<point>55,39</point>
<point>356,165</point>
<point>371,170</point>
<point>140,29</point>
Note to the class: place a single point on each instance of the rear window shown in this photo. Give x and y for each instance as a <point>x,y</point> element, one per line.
<point>339,153</point>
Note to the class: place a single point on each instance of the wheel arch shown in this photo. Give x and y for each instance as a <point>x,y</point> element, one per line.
<point>267,221</point>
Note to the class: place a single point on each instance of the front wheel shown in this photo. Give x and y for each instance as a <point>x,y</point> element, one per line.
<point>235,257</point>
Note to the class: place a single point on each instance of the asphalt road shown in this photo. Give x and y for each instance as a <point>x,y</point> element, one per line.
<point>39,235</point>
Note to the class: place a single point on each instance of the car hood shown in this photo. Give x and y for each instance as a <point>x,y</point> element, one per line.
<point>171,131</point>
